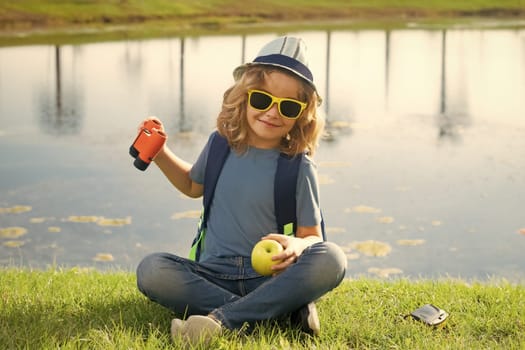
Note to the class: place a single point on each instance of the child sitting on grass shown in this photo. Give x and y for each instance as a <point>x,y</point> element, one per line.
<point>271,109</point>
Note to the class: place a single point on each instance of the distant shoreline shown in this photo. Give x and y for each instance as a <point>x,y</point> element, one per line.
<point>35,22</point>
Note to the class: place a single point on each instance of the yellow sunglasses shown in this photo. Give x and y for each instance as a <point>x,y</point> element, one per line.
<point>263,101</point>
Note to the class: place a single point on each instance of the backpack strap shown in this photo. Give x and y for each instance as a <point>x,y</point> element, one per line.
<point>285,187</point>
<point>217,154</point>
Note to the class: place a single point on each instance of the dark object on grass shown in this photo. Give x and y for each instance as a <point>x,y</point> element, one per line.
<point>430,315</point>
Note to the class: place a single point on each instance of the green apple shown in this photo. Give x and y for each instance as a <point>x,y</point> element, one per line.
<point>262,254</point>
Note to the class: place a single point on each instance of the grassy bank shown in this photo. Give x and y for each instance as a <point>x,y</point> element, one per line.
<point>41,21</point>
<point>72,309</point>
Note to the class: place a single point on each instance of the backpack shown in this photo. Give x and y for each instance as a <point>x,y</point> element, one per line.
<point>285,184</point>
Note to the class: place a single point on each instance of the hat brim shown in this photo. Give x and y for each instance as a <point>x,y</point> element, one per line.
<point>239,71</point>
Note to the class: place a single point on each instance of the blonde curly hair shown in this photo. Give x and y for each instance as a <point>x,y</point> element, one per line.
<point>233,125</point>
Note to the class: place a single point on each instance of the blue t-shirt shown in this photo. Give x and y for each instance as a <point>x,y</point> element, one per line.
<point>242,210</point>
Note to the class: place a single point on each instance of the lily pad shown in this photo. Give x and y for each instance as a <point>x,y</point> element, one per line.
<point>363,209</point>
<point>82,218</point>
<point>411,242</point>
<point>384,272</point>
<point>14,244</point>
<point>103,257</point>
<point>12,232</point>
<point>37,220</point>
<point>373,248</point>
<point>114,222</point>
<point>385,219</point>
<point>325,180</point>
<point>340,124</point>
<point>16,209</point>
<point>335,230</point>
<point>352,256</point>
<point>190,214</point>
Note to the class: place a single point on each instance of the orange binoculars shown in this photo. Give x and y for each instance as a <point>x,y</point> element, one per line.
<point>148,143</point>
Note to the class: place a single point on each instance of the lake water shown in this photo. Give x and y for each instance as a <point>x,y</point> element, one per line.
<point>424,159</point>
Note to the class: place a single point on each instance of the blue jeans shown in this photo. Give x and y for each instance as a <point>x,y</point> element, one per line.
<point>232,292</point>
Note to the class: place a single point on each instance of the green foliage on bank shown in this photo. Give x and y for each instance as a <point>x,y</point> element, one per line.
<point>125,10</point>
<point>69,22</point>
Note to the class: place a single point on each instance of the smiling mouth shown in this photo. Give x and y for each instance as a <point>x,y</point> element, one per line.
<point>268,123</point>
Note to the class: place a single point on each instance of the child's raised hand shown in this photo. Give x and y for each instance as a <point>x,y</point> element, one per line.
<point>150,141</point>
<point>158,124</point>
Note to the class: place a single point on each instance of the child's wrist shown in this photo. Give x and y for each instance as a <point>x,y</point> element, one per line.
<point>161,154</point>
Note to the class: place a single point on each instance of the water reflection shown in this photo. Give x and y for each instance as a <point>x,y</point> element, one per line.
<point>185,124</point>
<point>133,61</point>
<point>68,114</point>
<point>453,115</point>
<point>362,76</point>
<point>60,104</point>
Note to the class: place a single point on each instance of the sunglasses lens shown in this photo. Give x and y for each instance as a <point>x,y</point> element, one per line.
<point>287,107</point>
<point>260,101</point>
<point>290,109</point>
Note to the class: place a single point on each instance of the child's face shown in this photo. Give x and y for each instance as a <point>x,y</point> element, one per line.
<point>267,128</point>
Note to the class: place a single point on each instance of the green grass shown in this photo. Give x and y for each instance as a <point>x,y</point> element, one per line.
<point>89,10</point>
<point>61,22</point>
<point>77,308</point>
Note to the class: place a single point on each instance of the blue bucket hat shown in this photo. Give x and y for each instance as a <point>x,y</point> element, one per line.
<point>285,52</point>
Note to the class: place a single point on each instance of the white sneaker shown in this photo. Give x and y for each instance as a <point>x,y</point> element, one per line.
<point>195,329</point>
<point>176,328</point>
<point>307,319</point>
